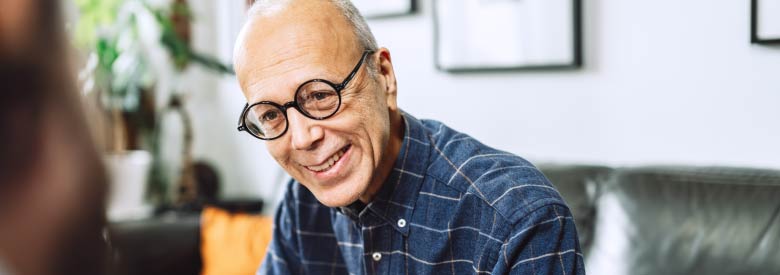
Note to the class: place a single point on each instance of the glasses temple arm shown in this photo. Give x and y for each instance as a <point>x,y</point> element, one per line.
<point>354,70</point>
<point>241,126</point>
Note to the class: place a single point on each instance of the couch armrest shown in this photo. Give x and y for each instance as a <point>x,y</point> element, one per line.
<point>579,186</point>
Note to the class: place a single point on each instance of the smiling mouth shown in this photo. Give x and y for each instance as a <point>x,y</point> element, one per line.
<point>330,162</point>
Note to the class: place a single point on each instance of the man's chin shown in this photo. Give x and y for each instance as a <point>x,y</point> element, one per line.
<point>336,202</point>
<point>337,197</point>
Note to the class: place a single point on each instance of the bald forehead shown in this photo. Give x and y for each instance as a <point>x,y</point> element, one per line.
<point>292,24</point>
<point>302,32</point>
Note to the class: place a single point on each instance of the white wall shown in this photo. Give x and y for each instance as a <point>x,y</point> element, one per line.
<point>664,82</point>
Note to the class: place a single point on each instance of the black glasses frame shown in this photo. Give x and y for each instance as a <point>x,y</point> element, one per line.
<point>295,104</point>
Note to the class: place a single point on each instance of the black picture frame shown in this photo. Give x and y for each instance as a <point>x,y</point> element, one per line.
<point>575,50</point>
<point>378,9</point>
<point>756,25</point>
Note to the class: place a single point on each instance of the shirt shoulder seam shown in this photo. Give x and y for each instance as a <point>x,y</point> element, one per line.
<point>527,209</point>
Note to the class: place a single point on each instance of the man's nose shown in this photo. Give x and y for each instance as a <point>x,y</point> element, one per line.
<point>305,133</point>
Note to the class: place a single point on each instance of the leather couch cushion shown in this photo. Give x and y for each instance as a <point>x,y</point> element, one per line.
<point>688,220</point>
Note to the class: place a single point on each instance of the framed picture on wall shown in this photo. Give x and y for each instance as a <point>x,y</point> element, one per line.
<point>385,8</point>
<point>765,21</point>
<point>489,35</point>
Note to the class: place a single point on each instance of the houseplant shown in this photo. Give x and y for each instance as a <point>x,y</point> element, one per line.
<point>137,49</point>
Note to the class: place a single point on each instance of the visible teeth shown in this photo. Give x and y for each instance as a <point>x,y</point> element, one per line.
<point>325,166</point>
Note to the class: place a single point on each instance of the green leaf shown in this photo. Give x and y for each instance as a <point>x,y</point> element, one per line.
<point>94,14</point>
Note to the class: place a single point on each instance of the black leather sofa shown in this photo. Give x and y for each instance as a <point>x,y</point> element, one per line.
<point>674,219</point>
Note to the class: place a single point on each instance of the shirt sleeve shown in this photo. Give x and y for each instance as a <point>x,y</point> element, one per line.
<point>545,242</point>
<point>281,257</point>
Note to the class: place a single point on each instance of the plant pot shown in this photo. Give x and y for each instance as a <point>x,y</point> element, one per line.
<point>129,173</point>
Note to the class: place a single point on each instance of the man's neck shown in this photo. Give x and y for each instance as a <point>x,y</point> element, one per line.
<point>392,150</point>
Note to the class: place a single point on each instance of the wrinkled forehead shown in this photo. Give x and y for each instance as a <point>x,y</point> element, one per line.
<point>275,54</point>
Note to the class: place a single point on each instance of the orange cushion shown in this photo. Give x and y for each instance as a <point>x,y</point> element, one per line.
<point>233,243</point>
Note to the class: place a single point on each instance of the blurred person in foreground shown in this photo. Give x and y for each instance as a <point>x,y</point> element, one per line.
<point>52,184</point>
<point>376,190</point>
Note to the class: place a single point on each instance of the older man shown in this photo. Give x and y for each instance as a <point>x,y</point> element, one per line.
<point>375,190</point>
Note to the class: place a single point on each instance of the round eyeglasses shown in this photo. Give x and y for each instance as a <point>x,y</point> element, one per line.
<point>316,99</point>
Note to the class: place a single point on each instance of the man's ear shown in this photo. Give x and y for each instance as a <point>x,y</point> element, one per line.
<point>386,77</point>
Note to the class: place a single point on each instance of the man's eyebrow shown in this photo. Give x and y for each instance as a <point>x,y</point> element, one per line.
<point>255,92</point>
<point>328,73</point>
<point>261,93</point>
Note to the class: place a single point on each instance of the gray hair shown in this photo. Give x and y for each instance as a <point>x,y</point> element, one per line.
<point>348,10</point>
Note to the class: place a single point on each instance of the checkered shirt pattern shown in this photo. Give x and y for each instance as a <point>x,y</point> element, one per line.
<point>450,206</point>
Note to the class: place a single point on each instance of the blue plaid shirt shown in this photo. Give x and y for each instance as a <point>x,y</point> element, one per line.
<point>450,206</point>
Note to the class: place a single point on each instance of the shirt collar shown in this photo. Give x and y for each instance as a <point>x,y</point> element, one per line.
<point>397,197</point>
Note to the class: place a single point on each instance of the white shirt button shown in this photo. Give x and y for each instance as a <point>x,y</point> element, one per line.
<point>401,223</point>
<point>377,256</point>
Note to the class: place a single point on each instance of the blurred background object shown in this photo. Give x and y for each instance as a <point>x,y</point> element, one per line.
<point>137,51</point>
<point>52,182</point>
<point>764,22</point>
<point>138,55</point>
